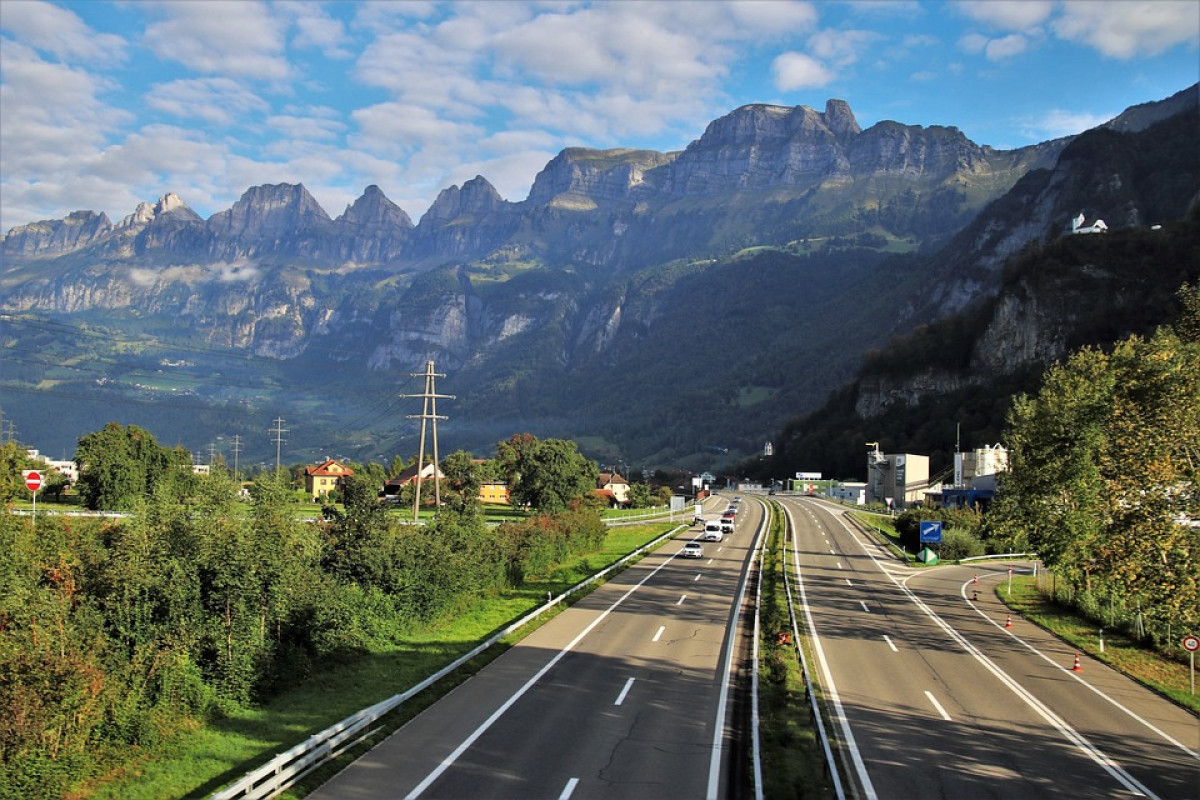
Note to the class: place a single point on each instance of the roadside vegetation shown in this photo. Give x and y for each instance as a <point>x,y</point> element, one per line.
<point>792,759</point>
<point>1033,598</point>
<point>120,639</point>
<point>1104,482</point>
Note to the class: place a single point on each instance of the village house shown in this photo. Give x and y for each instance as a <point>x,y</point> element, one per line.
<point>325,477</point>
<point>613,488</point>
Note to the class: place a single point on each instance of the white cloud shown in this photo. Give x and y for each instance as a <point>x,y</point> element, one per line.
<point>799,71</point>
<point>306,128</point>
<point>1009,15</point>
<point>235,38</point>
<point>1058,122</point>
<point>840,48</point>
<point>1006,47</point>
<point>994,49</point>
<point>221,101</point>
<point>61,33</point>
<point>1125,30</point>
<point>315,28</point>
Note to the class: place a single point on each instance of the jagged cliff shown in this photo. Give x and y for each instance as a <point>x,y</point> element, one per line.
<point>582,307</point>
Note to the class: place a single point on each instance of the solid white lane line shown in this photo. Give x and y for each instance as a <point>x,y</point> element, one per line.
<point>863,603</point>
<point>449,760</point>
<point>938,706</point>
<point>1041,709</point>
<point>839,711</point>
<point>682,597</point>
<point>625,691</point>
<point>888,639</point>
<point>1082,682</point>
<point>569,789</point>
<point>659,634</point>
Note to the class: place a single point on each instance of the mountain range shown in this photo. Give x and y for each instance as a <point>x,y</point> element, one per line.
<point>657,307</point>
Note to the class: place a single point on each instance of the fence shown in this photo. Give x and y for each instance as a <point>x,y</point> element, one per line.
<point>285,769</point>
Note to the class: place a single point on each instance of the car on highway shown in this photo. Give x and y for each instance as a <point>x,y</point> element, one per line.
<point>727,525</point>
<point>714,531</point>
<point>693,550</point>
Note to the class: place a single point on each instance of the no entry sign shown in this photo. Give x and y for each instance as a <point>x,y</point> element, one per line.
<point>33,479</point>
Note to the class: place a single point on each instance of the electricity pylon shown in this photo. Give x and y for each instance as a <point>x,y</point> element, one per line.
<point>428,412</point>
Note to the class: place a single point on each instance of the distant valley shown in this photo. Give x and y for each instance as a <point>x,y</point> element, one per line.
<point>656,307</point>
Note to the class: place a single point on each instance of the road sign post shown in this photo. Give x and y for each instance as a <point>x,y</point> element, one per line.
<point>1192,644</point>
<point>33,482</point>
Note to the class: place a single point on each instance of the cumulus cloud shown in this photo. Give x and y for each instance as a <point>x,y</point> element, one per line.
<point>1058,122</point>
<point>244,40</point>
<point>841,47</point>
<point>799,71</point>
<point>1124,30</point>
<point>61,33</point>
<point>993,49</point>
<point>221,101</point>
<point>1010,15</point>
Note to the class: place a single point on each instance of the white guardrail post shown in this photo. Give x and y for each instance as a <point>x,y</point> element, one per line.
<point>282,771</point>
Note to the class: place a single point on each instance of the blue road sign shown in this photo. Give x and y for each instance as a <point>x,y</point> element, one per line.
<point>931,532</point>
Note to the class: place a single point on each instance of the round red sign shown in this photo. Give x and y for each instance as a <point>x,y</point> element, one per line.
<point>1191,643</point>
<point>33,480</point>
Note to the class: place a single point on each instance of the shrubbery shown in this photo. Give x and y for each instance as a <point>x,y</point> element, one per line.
<point>114,635</point>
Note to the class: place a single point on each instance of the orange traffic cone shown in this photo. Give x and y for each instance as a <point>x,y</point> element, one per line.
<point>1078,667</point>
<point>1008,621</point>
<point>976,578</point>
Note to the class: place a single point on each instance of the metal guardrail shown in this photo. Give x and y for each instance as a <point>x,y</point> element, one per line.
<point>285,769</point>
<point>826,746</point>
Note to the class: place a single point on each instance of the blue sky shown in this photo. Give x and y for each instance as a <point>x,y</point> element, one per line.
<point>107,104</point>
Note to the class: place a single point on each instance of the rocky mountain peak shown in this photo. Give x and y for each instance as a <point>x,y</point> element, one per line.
<point>476,197</point>
<point>579,173</point>
<point>374,210</point>
<point>269,210</point>
<point>840,119</point>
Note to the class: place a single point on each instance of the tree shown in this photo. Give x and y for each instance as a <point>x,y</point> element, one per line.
<point>548,474</point>
<point>462,480</point>
<point>1103,476</point>
<point>119,465</point>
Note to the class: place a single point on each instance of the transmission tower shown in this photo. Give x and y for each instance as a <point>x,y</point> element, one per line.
<point>428,412</point>
<point>277,437</point>
<point>237,448</point>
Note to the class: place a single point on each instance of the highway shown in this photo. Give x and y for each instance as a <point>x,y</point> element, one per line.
<point>623,695</point>
<point>933,696</point>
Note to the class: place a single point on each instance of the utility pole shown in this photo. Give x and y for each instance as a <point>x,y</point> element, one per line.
<point>212,453</point>
<point>237,448</point>
<point>428,412</point>
<point>277,437</point>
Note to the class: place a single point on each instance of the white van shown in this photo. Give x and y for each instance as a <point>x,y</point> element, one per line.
<point>712,531</point>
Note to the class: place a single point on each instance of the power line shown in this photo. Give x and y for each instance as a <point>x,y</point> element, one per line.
<point>428,412</point>
<point>277,436</point>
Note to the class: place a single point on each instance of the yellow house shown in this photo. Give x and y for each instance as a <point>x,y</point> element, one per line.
<point>324,478</point>
<point>493,492</point>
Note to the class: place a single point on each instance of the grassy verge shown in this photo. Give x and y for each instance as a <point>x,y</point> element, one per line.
<point>885,526</point>
<point>1164,675</point>
<point>792,760</point>
<point>201,761</point>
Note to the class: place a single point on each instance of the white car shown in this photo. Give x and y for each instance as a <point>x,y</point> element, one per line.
<point>693,550</point>
<point>713,531</point>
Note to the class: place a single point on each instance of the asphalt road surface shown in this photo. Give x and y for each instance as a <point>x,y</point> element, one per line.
<point>933,696</point>
<point>623,695</point>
